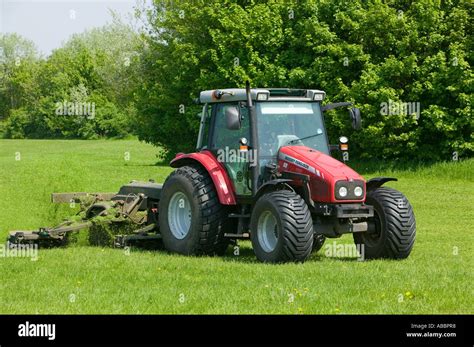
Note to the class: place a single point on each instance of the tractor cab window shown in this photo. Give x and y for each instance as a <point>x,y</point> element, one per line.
<point>287,123</point>
<point>224,137</point>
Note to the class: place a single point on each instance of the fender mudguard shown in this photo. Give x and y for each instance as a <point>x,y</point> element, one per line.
<point>377,182</point>
<point>219,176</point>
<point>268,185</point>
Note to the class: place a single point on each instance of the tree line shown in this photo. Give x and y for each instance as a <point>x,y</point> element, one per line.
<point>405,64</point>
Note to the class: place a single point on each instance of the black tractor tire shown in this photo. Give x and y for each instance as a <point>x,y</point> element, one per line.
<point>392,230</point>
<point>287,219</point>
<point>203,233</point>
<point>318,242</point>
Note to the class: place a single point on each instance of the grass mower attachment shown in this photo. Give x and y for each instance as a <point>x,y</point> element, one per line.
<point>116,222</point>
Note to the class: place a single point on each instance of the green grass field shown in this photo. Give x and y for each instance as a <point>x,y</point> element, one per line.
<point>436,278</point>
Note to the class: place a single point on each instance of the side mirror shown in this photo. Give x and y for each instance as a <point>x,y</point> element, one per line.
<point>233,118</point>
<point>356,121</point>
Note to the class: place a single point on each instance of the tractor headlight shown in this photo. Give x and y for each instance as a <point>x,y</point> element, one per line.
<point>262,96</point>
<point>349,190</point>
<point>318,96</point>
<point>342,192</point>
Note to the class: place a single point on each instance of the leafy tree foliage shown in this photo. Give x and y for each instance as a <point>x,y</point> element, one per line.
<point>406,64</point>
<point>17,70</point>
<point>82,90</point>
<point>370,52</point>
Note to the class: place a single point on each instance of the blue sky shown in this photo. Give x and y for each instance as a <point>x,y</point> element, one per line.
<point>49,23</point>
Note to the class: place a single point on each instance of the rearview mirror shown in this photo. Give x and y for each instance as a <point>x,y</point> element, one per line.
<point>233,118</point>
<point>356,121</point>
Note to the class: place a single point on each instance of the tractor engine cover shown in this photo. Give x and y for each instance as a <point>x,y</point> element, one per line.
<point>325,173</point>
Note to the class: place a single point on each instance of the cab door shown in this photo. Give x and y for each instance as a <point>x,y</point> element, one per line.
<point>225,144</point>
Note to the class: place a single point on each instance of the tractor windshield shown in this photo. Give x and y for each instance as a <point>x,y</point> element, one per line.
<point>283,123</point>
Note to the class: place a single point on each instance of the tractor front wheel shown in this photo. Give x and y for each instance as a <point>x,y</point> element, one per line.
<point>392,230</point>
<point>192,220</point>
<point>281,228</point>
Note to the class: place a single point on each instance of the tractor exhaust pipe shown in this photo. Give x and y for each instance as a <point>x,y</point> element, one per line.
<point>254,138</point>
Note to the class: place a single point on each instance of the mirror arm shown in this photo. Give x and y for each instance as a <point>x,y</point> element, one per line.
<point>332,106</point>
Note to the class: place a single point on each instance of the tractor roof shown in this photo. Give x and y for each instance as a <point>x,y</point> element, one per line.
<point>261,94</point>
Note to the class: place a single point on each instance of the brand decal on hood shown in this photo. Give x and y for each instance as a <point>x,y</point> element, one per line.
<point>299,163</point>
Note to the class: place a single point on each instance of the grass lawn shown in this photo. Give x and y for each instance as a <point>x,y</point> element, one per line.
<point>436,278</point>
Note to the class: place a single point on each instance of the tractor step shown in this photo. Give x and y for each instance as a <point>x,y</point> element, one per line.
<point>237,215</point>
<point>237,236</point>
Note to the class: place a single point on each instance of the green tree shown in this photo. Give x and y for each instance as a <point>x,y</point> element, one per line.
<point>18,65</point>
<point>83,89</point>
<point>368,52</point>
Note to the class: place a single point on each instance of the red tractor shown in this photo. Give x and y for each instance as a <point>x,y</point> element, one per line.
<point>263,170</point>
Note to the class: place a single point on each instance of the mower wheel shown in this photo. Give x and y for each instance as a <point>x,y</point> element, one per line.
<point>392,230</point>
<point>281,228</point>
<point>192,220</point>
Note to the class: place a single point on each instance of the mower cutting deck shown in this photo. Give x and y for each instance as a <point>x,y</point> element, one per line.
<point>126,206</point>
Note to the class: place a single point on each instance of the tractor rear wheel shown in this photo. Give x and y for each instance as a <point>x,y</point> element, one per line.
<point>392,230</point>
<point>281,228</point>
<point>192,220</point>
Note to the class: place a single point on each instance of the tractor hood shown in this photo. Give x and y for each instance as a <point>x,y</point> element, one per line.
<point>323,170</point>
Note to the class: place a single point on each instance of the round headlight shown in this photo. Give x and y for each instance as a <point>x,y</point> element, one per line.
<point>343,192</point>
<point>358,191</point>
<point>343,139</point>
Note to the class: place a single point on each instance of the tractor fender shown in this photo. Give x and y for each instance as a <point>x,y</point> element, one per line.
<point>270,185</point>
<point>219,176</point>
<point>377,182</point>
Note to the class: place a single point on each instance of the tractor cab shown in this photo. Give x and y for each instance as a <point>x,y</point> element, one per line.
<point>242,141</point>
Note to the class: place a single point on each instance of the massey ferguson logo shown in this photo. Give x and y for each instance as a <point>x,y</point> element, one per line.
<point>299,163</point>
